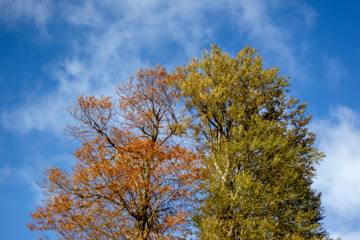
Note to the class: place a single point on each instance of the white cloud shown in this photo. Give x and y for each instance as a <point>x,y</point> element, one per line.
<point>115,38</point>
<point>348,235</point>
<point>37,11</point>
<point>106,53</point>
<point>5,172</point>
<point>82,14</point>
<point>310,15</point>
<point>256,19</point>
<point>335,70</point>
<point>338,175</point>
<point>48,113</point>
<point>20,176</point>
<point>16,177</point>
<point>274,27</point>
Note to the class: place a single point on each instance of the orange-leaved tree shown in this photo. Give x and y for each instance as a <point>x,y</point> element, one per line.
<point>131,180</point>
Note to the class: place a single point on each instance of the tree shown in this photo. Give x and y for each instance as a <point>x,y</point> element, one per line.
<point>258,150</point>
<point>129,181</point>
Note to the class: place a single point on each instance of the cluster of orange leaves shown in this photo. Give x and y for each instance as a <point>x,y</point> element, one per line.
<point>131,180</point>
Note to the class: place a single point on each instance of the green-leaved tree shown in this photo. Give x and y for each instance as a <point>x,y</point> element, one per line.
<point>259,152</point>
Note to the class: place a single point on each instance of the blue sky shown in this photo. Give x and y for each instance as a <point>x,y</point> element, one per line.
<point>52,51</point>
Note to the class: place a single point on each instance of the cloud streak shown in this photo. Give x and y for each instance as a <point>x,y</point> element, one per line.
<point>36,11</point>
<point>278,39</point>
<point>338,175</point>
<point>115,38</point>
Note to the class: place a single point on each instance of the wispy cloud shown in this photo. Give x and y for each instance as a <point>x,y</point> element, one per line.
<point>113,42</point>
<point>338,175</point>
<point>83,13</point>
<point>35,11</point>
<point>5,173</point>
<point>346,235</point>
<point>20,176</point>
<point>278,40</point>
<point>309,13</point>
<point>115,38</point>
<point>335,70</point>
<point>31,170</point>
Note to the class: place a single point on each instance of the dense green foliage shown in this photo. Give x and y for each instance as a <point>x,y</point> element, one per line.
<point>258,150</point>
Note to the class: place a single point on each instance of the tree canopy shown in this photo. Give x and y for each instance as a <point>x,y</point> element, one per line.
<point>248,174</point>
<point>129,181</point>
<point>259,150</point>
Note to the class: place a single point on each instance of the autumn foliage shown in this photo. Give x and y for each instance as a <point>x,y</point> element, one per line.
<point>248,173</point>
<point>130,181</point>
